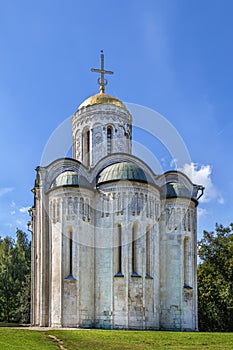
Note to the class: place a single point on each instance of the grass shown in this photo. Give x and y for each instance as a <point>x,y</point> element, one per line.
<point>136,340</point>
<point>23,339</point>
<point>5,324</point>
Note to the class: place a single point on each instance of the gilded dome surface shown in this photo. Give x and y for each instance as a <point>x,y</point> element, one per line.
<point>101,98</point>
<point>123,171</point>
<point>70,178</point>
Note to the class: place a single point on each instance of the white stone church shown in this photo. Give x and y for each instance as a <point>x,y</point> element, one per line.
<point>113,244</point>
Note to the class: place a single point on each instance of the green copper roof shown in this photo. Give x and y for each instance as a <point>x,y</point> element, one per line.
<point>70,178</point>
<point>123,171</point>
<point>176,189</point>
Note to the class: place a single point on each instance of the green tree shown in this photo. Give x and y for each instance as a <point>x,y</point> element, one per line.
<point>15,278</point>
<point>6,281</point>
<point>215,279</point>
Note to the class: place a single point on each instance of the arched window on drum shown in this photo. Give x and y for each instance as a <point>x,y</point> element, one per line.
<point>86,147</point>
<point>109,139</point>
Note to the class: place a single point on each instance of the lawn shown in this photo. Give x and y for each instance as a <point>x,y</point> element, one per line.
<point>22,339</point>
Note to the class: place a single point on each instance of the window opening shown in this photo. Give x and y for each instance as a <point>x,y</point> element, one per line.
<point>134,251</point>
<point>119,251</point>
<point>148,250</point>
<point>109,140</point>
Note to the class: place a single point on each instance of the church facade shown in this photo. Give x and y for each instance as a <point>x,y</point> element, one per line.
<point>113,244</point>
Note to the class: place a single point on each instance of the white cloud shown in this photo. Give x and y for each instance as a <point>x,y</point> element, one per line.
<point>13,212</point>
<point>173,163</point>
<point>5,190</point>
<point>24,209</point>
<point>201,175</point>
<point>221,200</point>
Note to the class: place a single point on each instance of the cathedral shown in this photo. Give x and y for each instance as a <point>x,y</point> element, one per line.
<point>113,244</point>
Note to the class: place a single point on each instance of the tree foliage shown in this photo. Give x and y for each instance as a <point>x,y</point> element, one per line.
<point>215,280</point>
<point>15,258</point>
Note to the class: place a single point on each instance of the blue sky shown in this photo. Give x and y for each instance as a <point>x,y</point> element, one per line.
<point>174,57</point>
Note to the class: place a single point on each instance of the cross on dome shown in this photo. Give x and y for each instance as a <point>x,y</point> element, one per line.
<point>101,80</point>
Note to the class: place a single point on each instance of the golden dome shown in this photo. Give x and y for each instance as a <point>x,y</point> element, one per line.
<point>101,98</point>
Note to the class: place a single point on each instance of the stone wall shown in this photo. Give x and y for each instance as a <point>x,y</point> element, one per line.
<point>178,265</point>
<point>95,120</point>
<point>115,256</point>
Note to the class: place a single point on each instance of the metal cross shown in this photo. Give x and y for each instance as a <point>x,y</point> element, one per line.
<point>102,81</point>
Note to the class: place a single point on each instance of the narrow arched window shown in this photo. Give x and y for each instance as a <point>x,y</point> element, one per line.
<point>54,212</point>
<point>102,201</point>
<point>184,219</point>
<point>123,203</point>
<point>119,249</point>
<point>134,249</point>
<point>186,257</point>
<point>137,204</point>
<point>81,207</point>
<point>58,210</point>
<point>109,139</point>
<point>146,205</point>
<point>89,206</point>
<point>71,254</point>
<point>189,219</point>
<point>86,147</point>
<point>70,206</point>
<point>107,204</point>
<point>127,141</point>
<point>148,251</point>
<point>75,205</point>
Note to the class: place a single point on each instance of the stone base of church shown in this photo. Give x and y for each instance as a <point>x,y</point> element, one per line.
<point>73,327</point>
<point>107,325</point>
